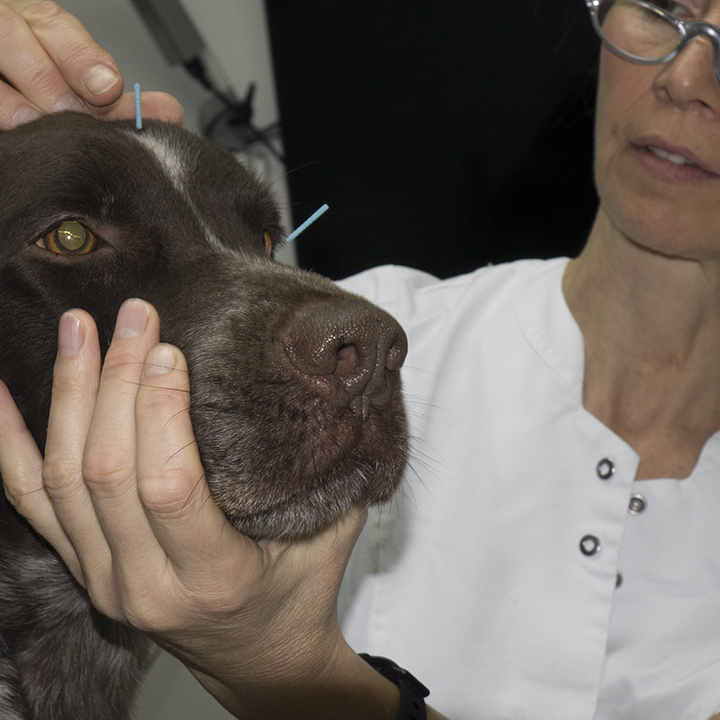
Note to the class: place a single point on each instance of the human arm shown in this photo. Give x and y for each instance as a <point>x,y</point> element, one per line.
<point>49,62</point>
<point>120,494</point>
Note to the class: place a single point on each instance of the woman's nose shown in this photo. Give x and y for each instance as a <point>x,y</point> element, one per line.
<point>690,77</point>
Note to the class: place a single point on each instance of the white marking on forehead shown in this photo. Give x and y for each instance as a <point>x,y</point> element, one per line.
<point>168,158</point>
<point>174,167</point>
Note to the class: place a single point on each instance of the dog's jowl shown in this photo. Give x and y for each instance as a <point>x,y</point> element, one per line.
<point>294,383</point>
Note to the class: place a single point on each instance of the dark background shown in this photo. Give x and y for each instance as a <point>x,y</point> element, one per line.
<point>443,135</point>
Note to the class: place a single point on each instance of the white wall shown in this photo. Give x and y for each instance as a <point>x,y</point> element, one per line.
<point>237,32</point>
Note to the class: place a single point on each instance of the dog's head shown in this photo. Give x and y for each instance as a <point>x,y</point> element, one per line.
<point>93,213</point>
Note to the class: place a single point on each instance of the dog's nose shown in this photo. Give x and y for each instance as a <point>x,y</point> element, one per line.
<point>348,350</point>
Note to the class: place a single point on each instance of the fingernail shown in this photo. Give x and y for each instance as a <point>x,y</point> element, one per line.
<point>132,319</point>
<point>71,335</point>
<point>160,360</point>
<point>25,115</point>
<point>100,78</point>
<point>70,102</point>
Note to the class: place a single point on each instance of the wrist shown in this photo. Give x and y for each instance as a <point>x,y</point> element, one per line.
<point>344,686</point>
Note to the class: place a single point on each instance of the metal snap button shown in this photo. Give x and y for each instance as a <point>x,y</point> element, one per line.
<point>590,545</point>
<point>637,504</point>
<point>605,469</point>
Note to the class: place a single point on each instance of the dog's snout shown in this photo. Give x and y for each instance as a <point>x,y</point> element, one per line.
<point>350,351</point>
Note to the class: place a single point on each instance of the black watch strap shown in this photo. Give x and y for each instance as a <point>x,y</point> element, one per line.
<point>412,691</point>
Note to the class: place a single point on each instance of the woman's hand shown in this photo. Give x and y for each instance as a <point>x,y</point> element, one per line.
<point>120,493</point>
<point>49,62</point>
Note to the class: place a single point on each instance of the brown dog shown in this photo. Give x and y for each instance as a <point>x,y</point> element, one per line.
<point>295,385</point>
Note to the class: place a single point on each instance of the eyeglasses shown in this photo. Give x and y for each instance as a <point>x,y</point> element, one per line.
<point>646,32</point>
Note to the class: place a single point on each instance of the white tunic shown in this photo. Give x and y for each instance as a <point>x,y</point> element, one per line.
<point>492,576</point>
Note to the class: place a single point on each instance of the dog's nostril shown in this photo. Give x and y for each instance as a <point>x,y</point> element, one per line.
<point>348,360</point>
<point>349,351</point>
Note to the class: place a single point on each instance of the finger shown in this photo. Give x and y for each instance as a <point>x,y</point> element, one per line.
<point>192,530</point>
<point>14,108</point>
<point>109,463</point>
<point>75,384</point>
<point>26,73</point>
<point>49,57</point>
<point>84,66</point>
<point>154,105</point>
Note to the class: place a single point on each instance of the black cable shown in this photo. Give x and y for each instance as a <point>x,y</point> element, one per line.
<point>235,114</point>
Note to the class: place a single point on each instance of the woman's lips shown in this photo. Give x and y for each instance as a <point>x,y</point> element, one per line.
<point>671,162</point>
<point>676,158</point>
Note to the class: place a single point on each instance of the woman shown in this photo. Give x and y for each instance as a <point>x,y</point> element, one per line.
<point>568,400</point>
<point>556,557</point>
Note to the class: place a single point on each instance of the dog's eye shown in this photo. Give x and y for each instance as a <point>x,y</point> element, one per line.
<point>69,238</point>
<point>268,242</point>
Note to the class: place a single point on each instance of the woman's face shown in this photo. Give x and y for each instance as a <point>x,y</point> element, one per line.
<point>657,147</point>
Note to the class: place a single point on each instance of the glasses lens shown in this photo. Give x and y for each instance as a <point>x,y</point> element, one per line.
<point>637,28</point>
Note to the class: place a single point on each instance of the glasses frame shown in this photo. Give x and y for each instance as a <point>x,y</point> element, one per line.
<point>686,30</point>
